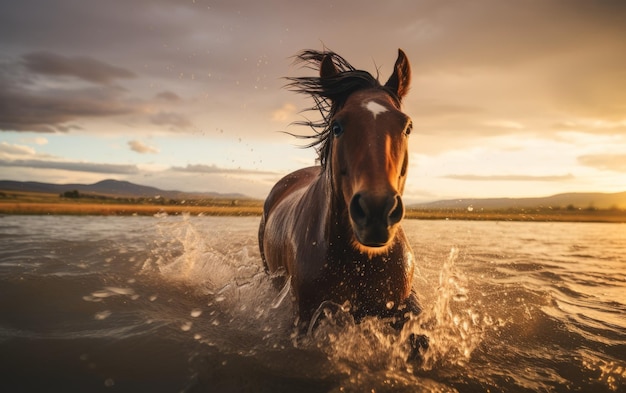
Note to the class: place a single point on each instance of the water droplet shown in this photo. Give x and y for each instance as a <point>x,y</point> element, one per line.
<point>390,305</point>
<point>102,315</point>
<point>460,297</point>
<point>195,313</point>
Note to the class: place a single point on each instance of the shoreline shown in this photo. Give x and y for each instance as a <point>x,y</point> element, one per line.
<point>598,216</point>
<point>110,209</point>
<point>255,209</point>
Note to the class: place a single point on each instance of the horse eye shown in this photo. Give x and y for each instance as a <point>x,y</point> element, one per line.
<point>337,129</point>
<point>409,128</point>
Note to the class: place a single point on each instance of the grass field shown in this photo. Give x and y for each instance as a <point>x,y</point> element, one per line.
<point>41,204</point>
<point>539,215</point>
<point>38,203</point>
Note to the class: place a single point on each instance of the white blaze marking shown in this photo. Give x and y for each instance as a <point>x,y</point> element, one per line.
<point>375,108</point>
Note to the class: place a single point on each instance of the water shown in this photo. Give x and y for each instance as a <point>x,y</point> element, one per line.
<point>171,304</point>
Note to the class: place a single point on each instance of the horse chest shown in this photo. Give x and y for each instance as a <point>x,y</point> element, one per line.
<point>371,285</point>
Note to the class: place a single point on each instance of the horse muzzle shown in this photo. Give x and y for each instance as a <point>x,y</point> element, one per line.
<point>374,217</point>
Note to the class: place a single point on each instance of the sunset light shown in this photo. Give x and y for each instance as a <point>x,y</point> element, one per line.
<point>506,100</point>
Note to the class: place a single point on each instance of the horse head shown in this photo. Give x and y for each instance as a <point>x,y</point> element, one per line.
<point>367,153</point>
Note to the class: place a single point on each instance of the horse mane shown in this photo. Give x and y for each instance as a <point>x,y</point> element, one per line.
<point>329,94</point>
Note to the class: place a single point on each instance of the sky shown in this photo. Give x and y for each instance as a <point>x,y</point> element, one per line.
<point>508,98</point>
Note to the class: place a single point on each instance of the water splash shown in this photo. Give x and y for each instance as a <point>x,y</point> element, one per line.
<point>212,263</point>
<point>222,268</point>
<point>454,331</point>
<point>241,298</point>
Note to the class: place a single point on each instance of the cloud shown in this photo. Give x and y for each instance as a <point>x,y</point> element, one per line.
<point>569,176</point>
<point>27,104</point>
<point>168,96</point>
<point>50,111</point>
<point>495,34</point>
<point>32,104</point>
<point>605,162</point>
<point>81,67</point>
<point>284,113</point>
<point>72,166</point>
<point>176,120</point>
<point>593,126</point>
<point>18,150</point>
<point>40,141</point>
<point>506,124</point>
<point>31,101</point>
<point>142,148</point>
<point>213,169</point>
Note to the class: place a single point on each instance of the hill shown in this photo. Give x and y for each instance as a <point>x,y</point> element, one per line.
<point>117,188</point>
<point>112,188</point>
<point>559,201</point>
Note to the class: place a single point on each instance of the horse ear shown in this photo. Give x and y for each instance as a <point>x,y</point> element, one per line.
<point>327,68</point>
<point>400,80</point>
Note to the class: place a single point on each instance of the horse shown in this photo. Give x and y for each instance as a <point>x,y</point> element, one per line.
<point>333,230</point>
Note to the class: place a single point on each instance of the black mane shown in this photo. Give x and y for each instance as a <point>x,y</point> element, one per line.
<point>329,94</point>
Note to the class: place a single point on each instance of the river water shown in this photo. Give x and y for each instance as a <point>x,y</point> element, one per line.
<point>181,304</point>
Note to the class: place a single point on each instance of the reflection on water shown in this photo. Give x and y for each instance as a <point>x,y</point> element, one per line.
<point>183,304</point>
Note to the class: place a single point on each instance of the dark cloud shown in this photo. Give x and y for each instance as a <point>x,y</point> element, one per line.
<point>30,102</point>
<point>190,36</point>
<point>53,110</point>
<point>569,176</point>
<point>168,96</point>
<point>72,166</point>
<point>495,34</point>
<point>31,99</point>
<point>606,162</point>
<point>86,68</point>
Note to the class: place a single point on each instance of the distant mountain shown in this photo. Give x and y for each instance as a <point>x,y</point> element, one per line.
<point>114,188</point>
<point>117,188</point>
<point>577,200</point>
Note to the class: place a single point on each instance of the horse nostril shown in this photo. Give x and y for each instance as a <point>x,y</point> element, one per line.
<point>367,210</point>
<point>396,212</point>
<point>358,210</point>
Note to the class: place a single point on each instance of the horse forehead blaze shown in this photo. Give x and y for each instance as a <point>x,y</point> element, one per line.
<point>374,107</point>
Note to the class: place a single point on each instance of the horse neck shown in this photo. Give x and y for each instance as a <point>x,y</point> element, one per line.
<point>337,224</point>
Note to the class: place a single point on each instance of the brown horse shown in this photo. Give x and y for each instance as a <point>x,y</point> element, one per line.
<point>334,230</point>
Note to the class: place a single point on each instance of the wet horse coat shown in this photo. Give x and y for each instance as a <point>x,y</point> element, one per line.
<point>334,229</point>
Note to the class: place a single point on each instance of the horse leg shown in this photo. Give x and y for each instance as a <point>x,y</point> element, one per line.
<point>403,313</point>
<point>278,277</point>
<point>418,343</point>
<point>261,234</point>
